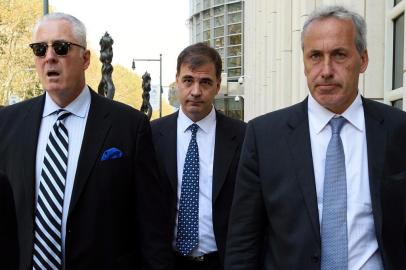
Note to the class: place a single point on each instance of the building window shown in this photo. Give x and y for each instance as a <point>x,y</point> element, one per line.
<point>232,106</point>
<point>218,2</point>
<point>219,10</point>
<point>398,48</point>
<point>398,104</point>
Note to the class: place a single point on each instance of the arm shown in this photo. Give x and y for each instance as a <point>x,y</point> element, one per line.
<point>8,226</point>
<point>153,219</point>
<point>247,220</point>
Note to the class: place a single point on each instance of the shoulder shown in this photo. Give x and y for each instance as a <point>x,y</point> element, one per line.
<point>230,124</point>
<point>167,121</point>
<point>115,108</point>
<point>391,116</point>
<point>279,118</point>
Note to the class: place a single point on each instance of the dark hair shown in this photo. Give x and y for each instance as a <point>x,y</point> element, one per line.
<point>197,55</point>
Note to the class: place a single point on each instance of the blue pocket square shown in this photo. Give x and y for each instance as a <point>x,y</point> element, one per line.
<point>112,153</point>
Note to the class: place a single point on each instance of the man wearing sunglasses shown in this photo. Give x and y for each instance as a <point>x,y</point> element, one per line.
<point>81,167</point>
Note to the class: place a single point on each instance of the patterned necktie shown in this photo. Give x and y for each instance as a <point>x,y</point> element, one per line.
<point>334,247</point>
<point>48,215</point>
<point>188,218</point>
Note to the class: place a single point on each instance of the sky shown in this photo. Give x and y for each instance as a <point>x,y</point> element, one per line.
<point>141,29</point>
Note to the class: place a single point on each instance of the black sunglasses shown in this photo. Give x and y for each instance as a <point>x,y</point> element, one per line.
<point>61,47</point>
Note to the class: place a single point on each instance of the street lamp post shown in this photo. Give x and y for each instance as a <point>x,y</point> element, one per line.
<point>160,77</point>
<point>46,7</point>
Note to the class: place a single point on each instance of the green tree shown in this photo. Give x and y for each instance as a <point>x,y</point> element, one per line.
<point>17,74</point>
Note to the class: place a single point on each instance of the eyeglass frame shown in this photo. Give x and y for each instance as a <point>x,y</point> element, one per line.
<point>52,45</point>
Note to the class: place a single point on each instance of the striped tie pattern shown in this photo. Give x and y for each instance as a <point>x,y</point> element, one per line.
<point>334,244</point>
<point>48,215</point>
<point>188,219</point>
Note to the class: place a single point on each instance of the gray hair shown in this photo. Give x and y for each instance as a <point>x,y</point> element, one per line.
<point>340,13</point>
<point>78,28</point>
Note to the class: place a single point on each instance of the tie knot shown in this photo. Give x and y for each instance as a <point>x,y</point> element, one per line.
<point>336,124</point>
<point>194,127</point>
<point>62,114</point>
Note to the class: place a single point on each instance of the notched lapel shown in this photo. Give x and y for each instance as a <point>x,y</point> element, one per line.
<point>224,150</point>
<point>300,147</point>
<point>29,138</point>
<point>97,127</point>
<point>376,141</point>
<point>168,149</point>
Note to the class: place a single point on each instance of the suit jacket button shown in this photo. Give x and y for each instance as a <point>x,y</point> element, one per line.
<point>315,258</point>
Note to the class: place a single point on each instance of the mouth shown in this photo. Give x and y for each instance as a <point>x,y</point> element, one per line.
<point>52,73</point>
<point>327,86</point>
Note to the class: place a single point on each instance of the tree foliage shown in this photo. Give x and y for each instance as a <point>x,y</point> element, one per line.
<point>17,71</point>
<point>17,74</point>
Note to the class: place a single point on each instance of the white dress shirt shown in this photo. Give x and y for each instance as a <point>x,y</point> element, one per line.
<point>363,250</point>
<point>205,138</point>
<point>75,124</point>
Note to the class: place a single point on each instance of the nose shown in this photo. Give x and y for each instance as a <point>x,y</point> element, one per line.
<point>50,55</point>
<point>195,91</point>
<point>327,69</point>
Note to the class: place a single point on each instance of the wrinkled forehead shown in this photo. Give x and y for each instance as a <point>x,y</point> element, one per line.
<point>51,30</point>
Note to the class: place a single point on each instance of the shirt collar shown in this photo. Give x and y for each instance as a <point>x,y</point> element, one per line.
<point>206,124</point>
<point>77,107</point>
<point>320,116</point>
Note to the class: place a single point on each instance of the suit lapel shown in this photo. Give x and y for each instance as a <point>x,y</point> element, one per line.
<point>97,127</point>
<point>300,147</point>
<point>376,136</point>
<point>29,138</point>
<point>224,150</point>
<point>168,146</point>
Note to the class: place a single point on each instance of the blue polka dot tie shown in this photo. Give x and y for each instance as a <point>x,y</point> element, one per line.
<point>334,247</point>
<point>188,217</point>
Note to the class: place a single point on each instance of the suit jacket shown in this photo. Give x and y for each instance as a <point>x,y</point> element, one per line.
<point>110,223</point>
<point>228,140</point>
<point>275,197</point>
<point>8,227</point>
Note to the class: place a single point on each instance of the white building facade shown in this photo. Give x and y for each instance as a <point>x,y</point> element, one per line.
<point>273,66</point>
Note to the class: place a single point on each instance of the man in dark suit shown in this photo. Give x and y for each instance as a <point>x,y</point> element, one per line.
<point>82,167</point>
<point>309,191</point>
<point>8,227</point>
<point>214,145</point>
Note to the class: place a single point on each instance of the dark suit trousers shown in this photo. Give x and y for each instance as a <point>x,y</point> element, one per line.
<point>210,262</point>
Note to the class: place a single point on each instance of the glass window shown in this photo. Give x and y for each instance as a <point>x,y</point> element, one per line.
<point>219,21</point>
<point>198,28</point>
<point>398,104</point>
<point>234,62</point>
<point>206,35</point>
<point>207,42</point>
<point>234,7</point>
<point>199,37</point>
<point>206,4</point>
<point>219,10</point>
<point>219,42</point>
<point>221,52</point>
<point>398,47</point>
<point>206,14</point>
<point>234,40</point>
<point>234,51</point>
<point>206,24</point>
<point>219,31</point>
<point>234,72</point>
<point>396,2</point>
<point>234,17</point>
<point>228,1</point>
<point>218,2</point>
<point>230,106</point>
<point>234,28</point>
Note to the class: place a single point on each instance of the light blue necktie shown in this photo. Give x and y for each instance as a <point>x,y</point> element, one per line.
<point>188,218</point>
<point>334,247</point>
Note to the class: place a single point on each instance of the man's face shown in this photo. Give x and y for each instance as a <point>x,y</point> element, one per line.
<point>332,63</point>
<point>197,89</point>
<point>63,77</point>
